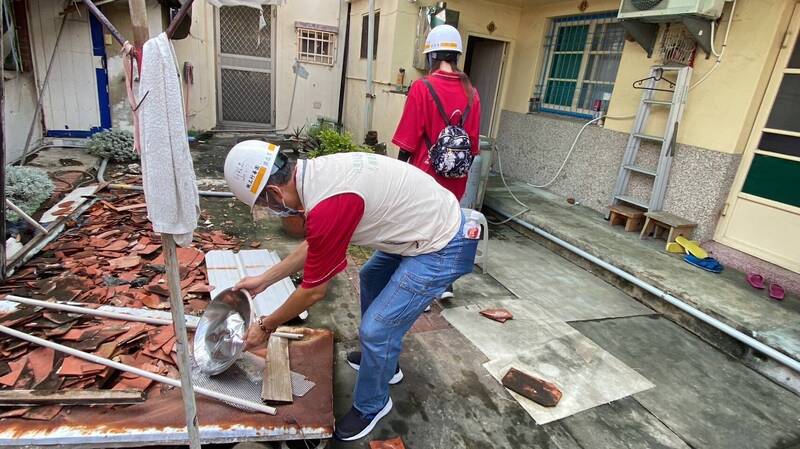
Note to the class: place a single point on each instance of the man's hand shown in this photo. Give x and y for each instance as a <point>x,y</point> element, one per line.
<point>256,338</point>
<point>252,284</point>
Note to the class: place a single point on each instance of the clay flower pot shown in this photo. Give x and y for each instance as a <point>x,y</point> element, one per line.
<point>294,226</point>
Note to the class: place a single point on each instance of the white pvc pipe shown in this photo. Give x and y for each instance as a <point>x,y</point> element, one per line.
<point>370,97</point>
<point>704,317</point>
<point>26,217</point>
<point>131,369</point>
<point>116,315</point>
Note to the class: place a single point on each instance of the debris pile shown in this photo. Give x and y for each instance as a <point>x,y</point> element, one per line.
<point>112,256</point>
<point>109,255</point>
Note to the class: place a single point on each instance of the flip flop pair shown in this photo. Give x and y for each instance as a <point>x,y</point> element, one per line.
<point>775,290</point>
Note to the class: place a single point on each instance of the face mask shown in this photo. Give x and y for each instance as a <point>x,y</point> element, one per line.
<point>282,211</point>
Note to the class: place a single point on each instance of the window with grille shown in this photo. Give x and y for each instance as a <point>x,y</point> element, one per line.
<point>316,44</point>
<point>582,55</point>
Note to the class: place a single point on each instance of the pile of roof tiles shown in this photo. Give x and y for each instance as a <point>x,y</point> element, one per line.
<point>109,255</point>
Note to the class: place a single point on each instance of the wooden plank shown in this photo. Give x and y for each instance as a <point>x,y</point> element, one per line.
<point>277,385</point>
<point>69,397</point>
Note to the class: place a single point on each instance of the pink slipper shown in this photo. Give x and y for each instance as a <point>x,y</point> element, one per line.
<point>776,292</point>
<point>756,280</point>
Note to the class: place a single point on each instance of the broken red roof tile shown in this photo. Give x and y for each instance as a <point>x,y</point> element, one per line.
<point>160,336</point>
<point>137,383</point>
<point>125,262</point>
<point>41,362</point>
<point>499,315</point>
<point>44,412</point>
<point>73,366</point>
<point>16,369</point>
<point>153,301</point>
<point>117,245</point>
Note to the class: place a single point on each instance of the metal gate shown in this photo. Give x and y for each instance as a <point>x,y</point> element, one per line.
<point>245,72</point>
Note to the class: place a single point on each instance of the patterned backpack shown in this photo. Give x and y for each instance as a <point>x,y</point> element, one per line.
<point>451,154</point>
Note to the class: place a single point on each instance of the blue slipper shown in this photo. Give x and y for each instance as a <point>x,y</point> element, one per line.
<point>709,263</point>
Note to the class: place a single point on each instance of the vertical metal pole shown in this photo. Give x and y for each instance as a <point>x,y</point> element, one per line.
<point>179,322</point>
<point>370,97</point>
<point>176,21</point>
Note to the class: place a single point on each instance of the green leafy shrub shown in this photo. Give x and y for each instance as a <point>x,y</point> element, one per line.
<point>27,188</point>
<point>329,141</point>
<point>114,144</point>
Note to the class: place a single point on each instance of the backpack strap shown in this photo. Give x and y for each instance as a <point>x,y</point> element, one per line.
<point>437,101</point>
<point>466,111</point>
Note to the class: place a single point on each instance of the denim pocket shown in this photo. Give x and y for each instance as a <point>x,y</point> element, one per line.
<point>408,300</point>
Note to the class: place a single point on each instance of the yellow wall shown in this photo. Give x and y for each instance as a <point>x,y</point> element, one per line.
<point>719,112</point>
<point>398,22</point>
<point>523,73</point>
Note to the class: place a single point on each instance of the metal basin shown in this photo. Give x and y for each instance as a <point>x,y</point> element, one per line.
<point>220,336</point>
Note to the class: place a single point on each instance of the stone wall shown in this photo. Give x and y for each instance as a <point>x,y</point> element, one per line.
<point>533,146</point>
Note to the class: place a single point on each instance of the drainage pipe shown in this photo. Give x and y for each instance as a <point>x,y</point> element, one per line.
<point>704,317</point>
<point>102,171</point>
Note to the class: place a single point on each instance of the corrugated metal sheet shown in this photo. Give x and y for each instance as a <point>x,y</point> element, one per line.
<point>223,272</point>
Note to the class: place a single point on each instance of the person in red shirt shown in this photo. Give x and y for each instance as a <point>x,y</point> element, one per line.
<point>422,244</point>
<point>421,121</point>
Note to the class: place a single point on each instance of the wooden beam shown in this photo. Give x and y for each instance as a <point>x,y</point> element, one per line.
<point>141,32</point>
<point>69,397</point>
<point>277,385</point>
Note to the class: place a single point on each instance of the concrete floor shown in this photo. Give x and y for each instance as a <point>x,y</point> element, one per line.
<point>727,296</point>
<point>702,398</point>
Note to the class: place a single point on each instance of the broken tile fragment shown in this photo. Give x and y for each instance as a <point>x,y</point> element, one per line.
<point>16,368</point>
<point>43,413</point>
<point>499,315</point>
<point>41,362</point>
<point>394,443</point>
<point>542,392</point>
<point>73,366</point>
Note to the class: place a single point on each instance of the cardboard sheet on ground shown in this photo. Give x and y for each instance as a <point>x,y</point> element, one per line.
<point>223,272</point>
<point>537,343</point>
<point>565,290</point>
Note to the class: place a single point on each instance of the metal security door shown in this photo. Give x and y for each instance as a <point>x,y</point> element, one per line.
<point>245,72</point>
<point>762,216</point>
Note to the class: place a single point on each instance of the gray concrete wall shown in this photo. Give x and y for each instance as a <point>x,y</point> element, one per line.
<point>533,146</point>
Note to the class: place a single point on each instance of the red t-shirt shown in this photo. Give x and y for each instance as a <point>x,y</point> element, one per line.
<point>329,227</point>
<point>421,123</point>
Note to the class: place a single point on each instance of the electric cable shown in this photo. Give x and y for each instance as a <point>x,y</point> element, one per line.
<point>719,56</point>
<point>572,147</point>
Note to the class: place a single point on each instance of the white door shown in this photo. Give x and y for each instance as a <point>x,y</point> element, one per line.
<point>75,102</point>
<point>245,76</point>
<point>763,211</point>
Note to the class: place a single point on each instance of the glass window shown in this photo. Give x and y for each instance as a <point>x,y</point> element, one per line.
<point>582,55</point>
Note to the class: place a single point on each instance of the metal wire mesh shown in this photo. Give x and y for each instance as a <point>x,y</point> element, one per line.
<point>677,45</point>
<point>246,96</point>
<point>245,31</point>
<point>582,56</point>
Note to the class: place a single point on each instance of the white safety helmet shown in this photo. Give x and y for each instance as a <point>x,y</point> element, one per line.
<point>248,166</point>
<point>443,38</point>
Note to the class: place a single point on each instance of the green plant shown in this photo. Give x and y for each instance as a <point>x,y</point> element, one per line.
<point>330,141</point>
<point>27,188</point>
<point>114,144</point>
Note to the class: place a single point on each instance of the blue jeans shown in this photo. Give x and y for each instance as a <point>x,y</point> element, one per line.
<point>395,290</point>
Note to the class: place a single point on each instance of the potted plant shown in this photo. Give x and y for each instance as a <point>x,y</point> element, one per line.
<point>322,139</point>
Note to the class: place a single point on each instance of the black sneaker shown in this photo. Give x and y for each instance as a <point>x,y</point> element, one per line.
<point>353,426</point>
<point>354,360</point>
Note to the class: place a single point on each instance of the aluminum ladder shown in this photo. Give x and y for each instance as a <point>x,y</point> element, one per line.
<point>660,174</point>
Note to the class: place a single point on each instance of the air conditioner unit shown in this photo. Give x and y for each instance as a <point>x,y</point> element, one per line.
<point>655,11</point>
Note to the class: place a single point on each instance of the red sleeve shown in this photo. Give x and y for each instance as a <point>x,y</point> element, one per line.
<point>473,125</point>
<point>412,123</point>
<point>329,228</point>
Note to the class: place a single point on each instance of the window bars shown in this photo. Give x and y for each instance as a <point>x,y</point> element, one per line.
<point>316,46</point>
<point>581,59</point>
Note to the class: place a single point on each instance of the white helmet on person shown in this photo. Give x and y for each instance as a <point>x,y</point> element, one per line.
<point>248,166</point>
<point>443,38</point>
